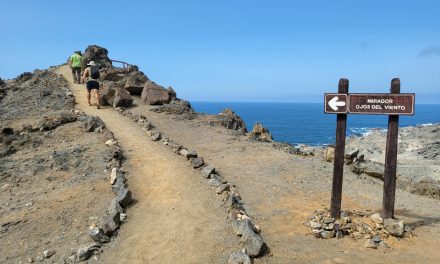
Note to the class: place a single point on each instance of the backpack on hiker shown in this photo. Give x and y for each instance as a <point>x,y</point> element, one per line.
<point>94,72</point>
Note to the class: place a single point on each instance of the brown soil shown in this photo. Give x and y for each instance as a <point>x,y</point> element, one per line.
<point>279,190</point>
<point>176,216</point>
<point>54,184</point>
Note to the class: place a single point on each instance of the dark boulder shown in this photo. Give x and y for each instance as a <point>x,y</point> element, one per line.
<point>171,93</point>
<point>97,54</point>
<point>114,95</point>
<point>154,94</point>
<point>135,82</point>
<point>113,74</point>
<point>25,76</point>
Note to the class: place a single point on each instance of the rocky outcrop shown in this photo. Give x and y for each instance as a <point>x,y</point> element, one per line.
<point>154,94</point>
<point>97,54</point>
<point>172,93</point>
<point>260,133</point>
<point>418,158</point>
<point>135,82</point>
<point>114,95</point>
<point>113,74</point>
<point>227,119</point>
<point>176,107</point>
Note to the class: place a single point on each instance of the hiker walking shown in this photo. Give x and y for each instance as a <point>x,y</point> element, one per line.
<point>75,62</point>
<point>92,73</point>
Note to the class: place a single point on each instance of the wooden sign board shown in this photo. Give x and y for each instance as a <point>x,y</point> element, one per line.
<point>381,104</point>
<point>369,104</point>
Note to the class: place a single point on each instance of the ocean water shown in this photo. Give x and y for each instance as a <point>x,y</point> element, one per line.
<point>306,123</point>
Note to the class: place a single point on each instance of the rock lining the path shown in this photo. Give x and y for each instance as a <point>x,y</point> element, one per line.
<point>252,242</point>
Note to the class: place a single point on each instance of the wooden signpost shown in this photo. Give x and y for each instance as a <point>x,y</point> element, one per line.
<point>392,104</point>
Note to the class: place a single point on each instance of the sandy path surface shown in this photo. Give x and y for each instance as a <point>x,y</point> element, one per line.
<point>176,217</point>
<point>280,190</point>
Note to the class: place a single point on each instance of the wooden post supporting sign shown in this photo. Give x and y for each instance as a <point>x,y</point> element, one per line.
<point>392,104</point>
<point>338,169</point>
<point>389,182</point>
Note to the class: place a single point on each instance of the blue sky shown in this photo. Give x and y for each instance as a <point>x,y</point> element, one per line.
<point>236,50</point>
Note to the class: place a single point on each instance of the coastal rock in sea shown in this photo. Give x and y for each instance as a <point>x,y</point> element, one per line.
<point>97,54</point>
<point>135,82</point>
<point>154,94</point>
<point>260,133</point>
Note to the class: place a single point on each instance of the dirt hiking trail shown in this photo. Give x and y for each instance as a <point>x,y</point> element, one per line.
<point>176,215</point>
<point>280,191</point>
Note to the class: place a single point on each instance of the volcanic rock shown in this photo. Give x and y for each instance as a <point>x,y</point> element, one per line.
<point>239,257</point>
<point>124,197</point>
<point>135,82</point>
<point>207,171</point>
<point>97,54</point>
<point>110,222</point>
<point>176,107</point>
<point>114,95</point>
<point>229,120</point>
<point>260,133</point>
<point>113,74</point>
<point>197,162</point>
<point>92,123</point>
<point>154,94</point>
<point>172,93</point>
<point>394,227</point>
<point>253,242</point>
<point>97,234</point>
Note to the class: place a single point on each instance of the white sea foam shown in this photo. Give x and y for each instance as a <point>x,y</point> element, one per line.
<point>365,131</point>
<point>424,125</point>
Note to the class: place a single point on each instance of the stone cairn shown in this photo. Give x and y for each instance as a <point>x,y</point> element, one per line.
<point>243,225</point>
<point>357,225</point>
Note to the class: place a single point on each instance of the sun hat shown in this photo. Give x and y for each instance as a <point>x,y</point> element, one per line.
<point>91,63</point>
